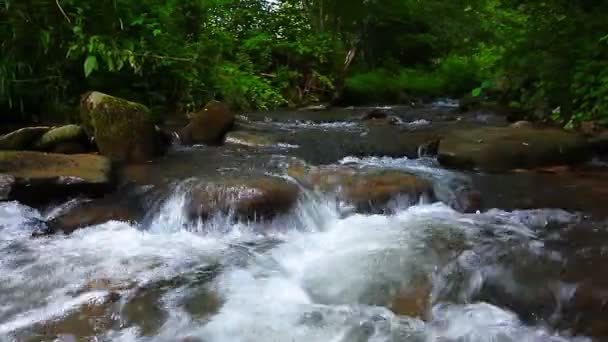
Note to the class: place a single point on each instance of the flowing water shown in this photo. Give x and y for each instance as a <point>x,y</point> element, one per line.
<point>424,273</point>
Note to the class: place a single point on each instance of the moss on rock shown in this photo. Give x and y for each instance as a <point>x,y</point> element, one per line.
<point>61,135</point>
<point>44,177</point>
<point>209,126</point>
<point>508,148</point>
<point>22,139</point>
<point>123,130</point>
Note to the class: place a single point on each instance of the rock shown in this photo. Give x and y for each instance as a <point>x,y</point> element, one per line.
<point>367,191</point>
<point>250,138</point>
<point>22,139</point>
<point>209,126</point>
<point>123,130</point>
<point>413,300</point>
<point>470,102</point>
<point>248,199</point>
<point>522,124</point>
<point>69,148</point>
<point>44,177</point>
<point>387,140</point>
<point>508,148</point>
<point>599,143</point>
<point>6,186</point>
<point>377,113</point>
<point>70,134</point>
<point>112,208</point>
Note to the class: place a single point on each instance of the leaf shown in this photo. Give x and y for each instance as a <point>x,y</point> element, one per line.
<point>156,32</point>
<point>90,65</point>
<point>476,92</point>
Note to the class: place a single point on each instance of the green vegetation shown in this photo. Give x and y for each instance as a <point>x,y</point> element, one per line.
<point>549,58</point>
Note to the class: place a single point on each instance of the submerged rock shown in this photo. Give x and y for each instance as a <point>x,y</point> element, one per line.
<point>6,186</point>
<point>248,199</point>
<point>209,126</point>
<point>22,139</point>
<point>61,137</point>
<point>250,138</point>
<point>123,130</point>
<point>508,148</point>
<point>44,177</point>
<point>366,190</point>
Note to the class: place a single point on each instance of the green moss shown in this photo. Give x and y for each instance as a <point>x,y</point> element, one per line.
<point>69,133</point>
<point>22,139</point>
<point>36,165</point>
<point>123,130</point>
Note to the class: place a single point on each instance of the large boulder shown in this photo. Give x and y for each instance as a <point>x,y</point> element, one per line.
<point>67,138</point>
<point>40,178</point>
<point>123,130</point>
<point>508,148</point>
<point>247,199</point>
<point>22,139</point>
<point>208,126</point>
<point>365,190</point>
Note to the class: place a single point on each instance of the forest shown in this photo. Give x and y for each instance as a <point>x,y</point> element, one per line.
<point>548,59</point>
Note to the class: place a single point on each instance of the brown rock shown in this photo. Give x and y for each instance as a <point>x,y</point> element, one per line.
<point>209,126</point>
<point>508,148</point>
<point>43,177</point>
<point>253,199</point>
<point>367,191</point>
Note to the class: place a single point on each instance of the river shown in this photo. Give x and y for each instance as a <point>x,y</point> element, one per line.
<point>511,272</point>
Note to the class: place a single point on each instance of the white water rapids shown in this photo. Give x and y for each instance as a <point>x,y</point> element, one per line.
<point>312,276</point>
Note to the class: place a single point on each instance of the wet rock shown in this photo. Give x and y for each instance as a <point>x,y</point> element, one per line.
<point>45,177</point>
<point>6,186</point>
<point>599,143</point>
<point>209,126</point>
<point>469,102</point>
<point>22,139</point>
<point>588,309</point>
<point>123,130</point>
<point>467,201</point>
<point>248,199</point>
<point>250,138</point>
<point>82,324</point>
<point>521,124</point>
<point>377,113</point>
<point>366,191</point>
<point>111,208</point>
<point>70,134</point>
<point>384,140</point>
<point>507,148</point>
<point>69,148</point>
<point>413,301</point>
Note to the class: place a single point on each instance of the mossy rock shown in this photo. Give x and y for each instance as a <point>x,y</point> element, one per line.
<point>247,199</point>
<point>508,148</point>
<point>123,130</point>
<point>366,190</point>
<point>208,126</point>
<point>61,135</point>
<point>44,177</point>
<point>22,139</point>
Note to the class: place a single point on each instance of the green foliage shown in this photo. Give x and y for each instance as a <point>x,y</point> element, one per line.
<point>548,57</point>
